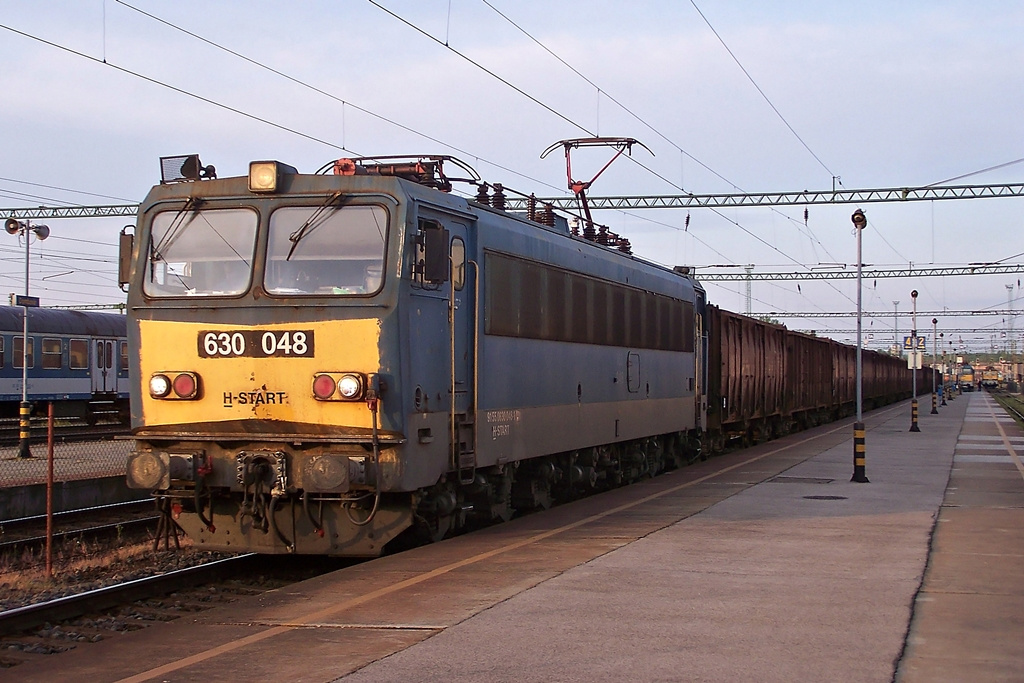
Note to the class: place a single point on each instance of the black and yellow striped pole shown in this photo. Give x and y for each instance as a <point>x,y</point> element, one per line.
<point>913,416</point>
<point>859,454</point>
<point>25,432</point>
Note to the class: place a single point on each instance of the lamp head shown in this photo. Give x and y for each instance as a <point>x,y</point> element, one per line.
<point>13,226</point>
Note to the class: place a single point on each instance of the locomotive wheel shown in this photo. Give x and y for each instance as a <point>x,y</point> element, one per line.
<point>437,528</point>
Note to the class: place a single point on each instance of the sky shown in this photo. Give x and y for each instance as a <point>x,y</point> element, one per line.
<point>729,97</point>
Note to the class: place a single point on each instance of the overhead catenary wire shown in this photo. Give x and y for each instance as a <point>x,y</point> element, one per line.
<point>565,118</point>
<point>762,92</point>
<point>813,238</point>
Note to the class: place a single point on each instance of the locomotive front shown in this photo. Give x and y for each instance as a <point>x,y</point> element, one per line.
<point>262,312</point>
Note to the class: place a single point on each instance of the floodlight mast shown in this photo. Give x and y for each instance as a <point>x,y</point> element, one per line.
<point>860,222</point>
<point>15,227</point>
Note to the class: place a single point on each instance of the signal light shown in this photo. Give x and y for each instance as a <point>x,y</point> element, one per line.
<point>185,385</point>
<point>323,386</point>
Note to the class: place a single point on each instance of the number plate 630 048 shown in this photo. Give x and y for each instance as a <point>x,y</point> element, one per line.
<point>256,343</point>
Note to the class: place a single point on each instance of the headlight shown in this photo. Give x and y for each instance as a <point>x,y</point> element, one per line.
<point>265,176</point>
<point>159,386</point>
<point>350,386</point>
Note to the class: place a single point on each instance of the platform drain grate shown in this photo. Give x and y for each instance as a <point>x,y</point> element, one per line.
<point>825,497</point>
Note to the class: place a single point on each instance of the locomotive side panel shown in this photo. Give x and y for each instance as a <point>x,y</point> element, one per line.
<point>577,348</point>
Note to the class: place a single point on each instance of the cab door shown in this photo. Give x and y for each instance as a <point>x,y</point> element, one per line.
<point>462,320</point>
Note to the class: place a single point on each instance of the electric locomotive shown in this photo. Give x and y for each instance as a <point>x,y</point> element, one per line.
<point>326,362</point>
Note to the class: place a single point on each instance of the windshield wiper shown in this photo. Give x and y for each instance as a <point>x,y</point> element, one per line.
<point>308,226</point>
<point>177,226</point>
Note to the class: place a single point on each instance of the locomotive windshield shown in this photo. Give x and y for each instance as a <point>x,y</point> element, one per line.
<point>201,253</point>
<point>339,251</point>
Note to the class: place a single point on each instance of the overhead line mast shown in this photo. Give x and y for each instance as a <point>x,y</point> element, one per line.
<point>680,201</point>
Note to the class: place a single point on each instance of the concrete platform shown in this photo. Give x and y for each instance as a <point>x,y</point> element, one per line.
<point>766,564</point>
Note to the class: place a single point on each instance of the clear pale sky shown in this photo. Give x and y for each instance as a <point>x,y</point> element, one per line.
<point>873,94</point>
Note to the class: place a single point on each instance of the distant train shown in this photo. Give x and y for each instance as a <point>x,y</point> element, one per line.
<point>990,377</point>
<point>323,363</point>
<point>966,377</point>
<point>76,359</point>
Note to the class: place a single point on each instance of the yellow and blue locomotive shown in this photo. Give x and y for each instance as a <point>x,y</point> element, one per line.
<point>326,362</point>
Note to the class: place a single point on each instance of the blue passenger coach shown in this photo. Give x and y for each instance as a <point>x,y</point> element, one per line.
<point>76,359</point>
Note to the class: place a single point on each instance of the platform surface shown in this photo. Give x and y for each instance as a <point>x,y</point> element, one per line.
<point>766,564</point>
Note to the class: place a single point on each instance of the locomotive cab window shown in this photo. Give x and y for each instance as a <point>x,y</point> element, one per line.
<point>52,354</point>
<point>335,252</point>
<point>200,252</point>
<point>78,354</point>
<point>458,263</point>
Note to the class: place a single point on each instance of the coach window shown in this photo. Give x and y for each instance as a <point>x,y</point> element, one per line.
<point>78,354</point>
<point>17,353</point>
<point>52,356</point>
<point>458,263</point>
<point>124,357</point>
<point>1,352</point>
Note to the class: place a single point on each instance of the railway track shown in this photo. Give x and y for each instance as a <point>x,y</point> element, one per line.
<point>65,433</point>
<point>1012,404</point>
<point>71,606</point>
<point>35,544</point>
<point>77,536</point>
<point>73,621</point>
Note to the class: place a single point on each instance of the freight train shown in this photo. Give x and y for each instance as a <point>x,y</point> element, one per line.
<point>78,360</point>
<point>328,362</point>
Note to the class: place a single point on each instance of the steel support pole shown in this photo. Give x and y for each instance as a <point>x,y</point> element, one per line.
<point>24,411</point>
<point>913,344</point>
<point>935,398</point>
<point>859,445</point>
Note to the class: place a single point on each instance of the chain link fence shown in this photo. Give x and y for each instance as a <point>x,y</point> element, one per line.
<point>78,453</point>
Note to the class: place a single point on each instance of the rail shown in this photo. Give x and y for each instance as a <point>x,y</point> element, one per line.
<point>71,606</point>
